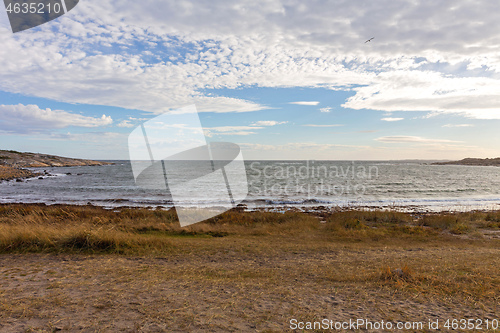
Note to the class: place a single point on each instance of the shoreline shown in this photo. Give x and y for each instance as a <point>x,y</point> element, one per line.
<point>118,204</point>
<point>321,211</point>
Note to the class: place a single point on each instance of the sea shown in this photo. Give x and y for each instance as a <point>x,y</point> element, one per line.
<point>280,185</point>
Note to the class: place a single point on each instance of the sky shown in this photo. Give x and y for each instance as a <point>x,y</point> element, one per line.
<point>282,79</point>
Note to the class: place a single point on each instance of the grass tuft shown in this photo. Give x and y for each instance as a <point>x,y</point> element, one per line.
<point>397,274</point>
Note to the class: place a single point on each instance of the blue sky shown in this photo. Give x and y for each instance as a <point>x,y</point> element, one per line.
<point>283,79</point>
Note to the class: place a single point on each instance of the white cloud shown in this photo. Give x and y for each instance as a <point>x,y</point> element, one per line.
<point>125,123</point>
<point>325,110</point>
<point>234,133</point>
<point>31,119</point>
<point>241,130</point>
<point>411,139</point>
<point>188,48</point>
<point>230,130</point>
<point>303,150</point>
<point>96,137</point>
<point>311,103</point>
<point>300,145</point>
<point>472,97</point>
<point>269,123</point>
<point>313,125</point>
<point>458,125</point>
<point>392,119</point>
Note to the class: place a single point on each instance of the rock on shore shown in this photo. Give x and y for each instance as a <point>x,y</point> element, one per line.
<point>9,173</point>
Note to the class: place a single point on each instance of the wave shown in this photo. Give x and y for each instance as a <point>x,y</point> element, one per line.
<point>386,201</point>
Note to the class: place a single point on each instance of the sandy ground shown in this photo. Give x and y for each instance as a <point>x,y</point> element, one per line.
<point>225,291</point>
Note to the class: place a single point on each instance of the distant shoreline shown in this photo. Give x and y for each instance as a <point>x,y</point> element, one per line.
<point>473,162</point>
<point>13,164</point>
<point>17,159</point>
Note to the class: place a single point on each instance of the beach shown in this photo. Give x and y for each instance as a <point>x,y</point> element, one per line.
<point>85,268</point>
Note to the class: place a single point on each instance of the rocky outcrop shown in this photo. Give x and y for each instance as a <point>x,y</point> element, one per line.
<point>473,161</point>
<point>9,173</point>
<point>33,160</point>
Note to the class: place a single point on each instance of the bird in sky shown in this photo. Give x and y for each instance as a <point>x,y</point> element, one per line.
<point>369,40</point>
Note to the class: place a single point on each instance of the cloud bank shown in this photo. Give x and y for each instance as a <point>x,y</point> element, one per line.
<point>158,56</point>
<point>26,119</point>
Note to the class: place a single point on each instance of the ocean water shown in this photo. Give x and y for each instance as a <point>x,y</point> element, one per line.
<point>301,184</point>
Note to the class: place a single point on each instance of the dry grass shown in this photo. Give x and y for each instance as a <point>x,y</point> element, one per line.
<point>462,223</point>
<point>89,229</point>
<point>9,173</point>
<point>240,271</point>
